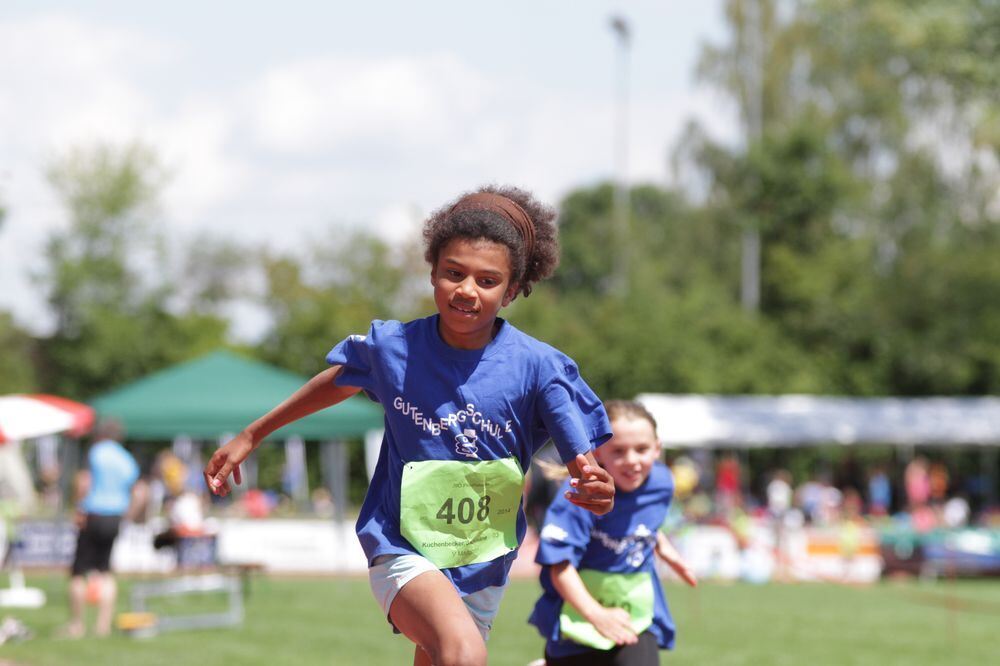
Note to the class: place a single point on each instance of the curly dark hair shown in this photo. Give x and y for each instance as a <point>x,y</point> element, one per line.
<point>442,227</point>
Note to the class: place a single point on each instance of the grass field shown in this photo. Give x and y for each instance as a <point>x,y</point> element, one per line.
<point>335,621</point>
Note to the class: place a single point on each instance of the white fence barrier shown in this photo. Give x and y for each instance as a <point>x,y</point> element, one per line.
<point>327,547</point>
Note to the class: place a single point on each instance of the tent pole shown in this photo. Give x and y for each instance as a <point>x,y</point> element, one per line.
<point>296,479</point>
<point>70,465</point>
<point>195,465</point>
<point>250,468</point>
<point>335,475</point>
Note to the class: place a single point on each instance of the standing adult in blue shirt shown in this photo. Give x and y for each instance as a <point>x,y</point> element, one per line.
<point>106,490</point>
<point>468,400</point>
<point>602,600</point>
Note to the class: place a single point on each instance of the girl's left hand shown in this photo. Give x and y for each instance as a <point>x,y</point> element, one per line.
<point>595,489</point>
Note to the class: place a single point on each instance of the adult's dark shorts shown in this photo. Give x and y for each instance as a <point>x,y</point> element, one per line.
<point>94,543</point>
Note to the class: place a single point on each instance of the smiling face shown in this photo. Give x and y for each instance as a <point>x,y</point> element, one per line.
<point>471,283</point>
<point>629,455</point>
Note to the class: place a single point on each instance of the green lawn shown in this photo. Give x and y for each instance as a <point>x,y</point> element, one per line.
<point>335,621</point>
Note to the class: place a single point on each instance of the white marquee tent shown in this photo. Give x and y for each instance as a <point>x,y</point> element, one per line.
<point>711,421</point>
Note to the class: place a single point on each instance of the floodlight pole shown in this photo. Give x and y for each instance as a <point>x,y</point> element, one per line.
<point>619,276</point>
<point>753,77</point>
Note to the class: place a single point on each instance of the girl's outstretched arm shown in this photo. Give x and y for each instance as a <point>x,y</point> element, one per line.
<point>669,554</point>
<point>615,624</point>
<point>316,394</point>
<point>595,489</point>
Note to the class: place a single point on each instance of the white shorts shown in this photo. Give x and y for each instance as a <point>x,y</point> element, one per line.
<point>390,573</point>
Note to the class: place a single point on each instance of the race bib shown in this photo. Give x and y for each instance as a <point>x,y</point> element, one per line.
<point>632,592</point>
<point>457,513</point>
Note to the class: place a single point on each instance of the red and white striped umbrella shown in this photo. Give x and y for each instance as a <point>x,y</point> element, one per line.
<point>24,416</point>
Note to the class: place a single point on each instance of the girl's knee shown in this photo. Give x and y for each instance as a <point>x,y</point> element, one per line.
<point>460,651</point>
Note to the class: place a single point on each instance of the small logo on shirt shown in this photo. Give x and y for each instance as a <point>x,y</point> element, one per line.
<point>635,543</point>
<point>465,444</point>
<point>552,532</point>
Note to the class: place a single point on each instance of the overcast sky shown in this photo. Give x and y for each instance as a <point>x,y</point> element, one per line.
<point>280,120</point>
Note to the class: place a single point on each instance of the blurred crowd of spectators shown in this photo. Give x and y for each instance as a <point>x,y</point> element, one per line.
<point>922,495</point>
<point>177,490</point>
<point>719,489</point>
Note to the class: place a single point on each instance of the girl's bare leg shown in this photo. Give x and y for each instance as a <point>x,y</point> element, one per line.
<point>430,613</point>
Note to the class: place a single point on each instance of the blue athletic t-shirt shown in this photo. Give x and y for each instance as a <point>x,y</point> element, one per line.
<point>113,470</point>
<point>621,541</point>
<point>441,403</point>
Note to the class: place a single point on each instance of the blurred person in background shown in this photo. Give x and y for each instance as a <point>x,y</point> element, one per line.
<point>850,528</point>
<point>779,501</point>
<point>917,481</point>
<point>779,494</point>
<point>830,504</point>
<point>728,485</point>
<point>916,478</point>
<point>185,511</point>
<point>809,497</point>
<point>104,490</point>
<point>879,492</point>
<point>686,480</point>
<point>955,513</point>
<point>322,502</point>
<point>938,480</point>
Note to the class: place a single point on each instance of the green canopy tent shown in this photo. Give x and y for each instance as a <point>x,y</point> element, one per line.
<point>220,393</point>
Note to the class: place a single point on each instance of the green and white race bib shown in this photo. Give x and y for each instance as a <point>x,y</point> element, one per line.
<point>631,592</point>
<point>457,513</point>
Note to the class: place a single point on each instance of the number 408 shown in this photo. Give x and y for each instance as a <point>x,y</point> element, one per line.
<point>465,511</point>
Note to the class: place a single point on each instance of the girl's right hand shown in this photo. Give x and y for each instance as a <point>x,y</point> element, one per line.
<point>225,461</point>
<point>615,624</point>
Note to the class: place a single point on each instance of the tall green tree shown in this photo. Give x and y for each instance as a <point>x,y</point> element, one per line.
<point>873,179</point>
<point>336,289</point>
<point>18,355</point>
<point>106,276</point>
<point>664,235</point>
<point>679,327</point>
<point>17,350</point>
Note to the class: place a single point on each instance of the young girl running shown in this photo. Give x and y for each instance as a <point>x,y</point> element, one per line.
<point>602,601</point>
<point>468,400</point>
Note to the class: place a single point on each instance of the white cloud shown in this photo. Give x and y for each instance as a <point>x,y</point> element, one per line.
<point>196,147</point>
<point>333,103</point>
<point>65,80</point>
<point>399,222</point>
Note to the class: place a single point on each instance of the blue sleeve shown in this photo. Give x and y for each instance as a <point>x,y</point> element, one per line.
<point>572,413</point>
<point>355,354</point>
<point>133,469</point>
<point>565,533</point>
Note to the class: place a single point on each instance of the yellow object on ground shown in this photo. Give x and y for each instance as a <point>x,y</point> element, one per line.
<point>134,621</point>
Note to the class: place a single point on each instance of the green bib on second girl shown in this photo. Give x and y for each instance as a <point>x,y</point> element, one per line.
<point>456,513</point>
<point>632,592</point>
